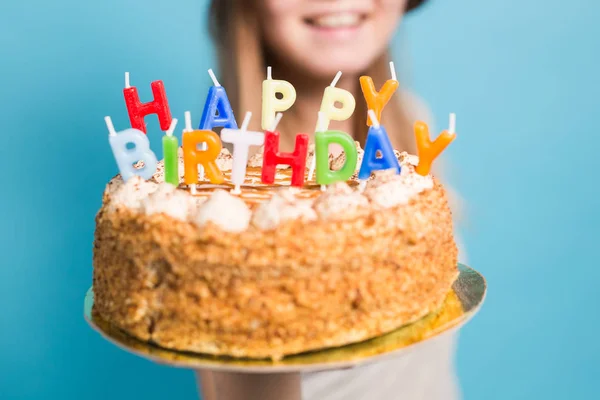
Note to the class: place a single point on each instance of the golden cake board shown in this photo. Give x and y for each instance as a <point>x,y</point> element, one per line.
<point>461,304</point>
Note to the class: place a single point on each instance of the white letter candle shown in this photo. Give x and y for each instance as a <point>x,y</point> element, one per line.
<point>321,127</point>
<point>330,97</point>
<point>270,103</point>
<point>241,140</point>
<point>126,157</point>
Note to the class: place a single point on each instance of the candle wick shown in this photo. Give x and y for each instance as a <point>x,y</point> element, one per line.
<point>393,71</point>
<point>269,73</point>
<point>110,126</point>
<point>127,83</point>
<point>319,128</point>
<point>373,118</point>
<point>276,121</point>
<point>452,124</point>
<point>336,79</point>
<point>246,121</point>
<point>321,122</point>
<point>213,77</point>
<point>188,121</point>
<point>313,164</point>
<point>172,127</point>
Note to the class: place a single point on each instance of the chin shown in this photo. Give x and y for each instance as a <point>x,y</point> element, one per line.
<point>325,67</point>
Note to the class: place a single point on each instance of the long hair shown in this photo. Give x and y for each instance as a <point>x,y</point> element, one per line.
<point>241,56</point>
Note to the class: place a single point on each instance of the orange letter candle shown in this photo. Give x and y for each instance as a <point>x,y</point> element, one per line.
<point>193,156</point>
<point>428,150</point>
<point>376,101</point>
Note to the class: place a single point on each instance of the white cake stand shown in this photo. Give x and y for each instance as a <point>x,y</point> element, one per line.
<point>223,378</point>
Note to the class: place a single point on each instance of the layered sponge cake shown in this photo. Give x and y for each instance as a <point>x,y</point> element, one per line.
<point>275,270</point>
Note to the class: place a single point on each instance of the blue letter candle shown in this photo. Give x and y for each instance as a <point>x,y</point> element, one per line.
<point>377,139</point>
<point>126,157</point>
<point>217,101</point>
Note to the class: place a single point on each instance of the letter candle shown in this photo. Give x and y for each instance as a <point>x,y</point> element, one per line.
<point>376,101</point>
<point>242,140</point>
<point>323,140</point>
<point>272,157</point>
<point>270,103</point>
<point>427,150</point>
<point>331,96</point>
<point>321,127</point>
<point>138,110</point>
<point>126,157</point>
<point>171,158</point>
<point>193,156</point>
<point>377,140</point>
<point>217,102</point>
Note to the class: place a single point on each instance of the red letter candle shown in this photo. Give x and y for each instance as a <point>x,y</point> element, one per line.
<point>138,110</point>
<point>272,157</point>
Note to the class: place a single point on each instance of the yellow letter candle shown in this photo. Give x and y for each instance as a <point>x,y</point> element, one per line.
<point>333,95</point>
<point>270,103</point>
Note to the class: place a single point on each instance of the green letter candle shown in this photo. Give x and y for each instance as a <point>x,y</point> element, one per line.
<point>170,149</point>
<point>325,175</point>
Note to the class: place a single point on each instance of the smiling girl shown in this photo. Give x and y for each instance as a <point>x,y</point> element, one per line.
<point>306,42</point>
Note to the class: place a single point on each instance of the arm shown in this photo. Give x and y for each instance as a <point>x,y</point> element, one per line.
<point>247,386</point>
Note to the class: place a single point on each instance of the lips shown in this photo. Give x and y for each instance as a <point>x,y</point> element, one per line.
<point>338,20</point>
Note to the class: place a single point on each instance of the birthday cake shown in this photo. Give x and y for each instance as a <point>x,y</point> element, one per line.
<point>225,254</point>
<point>275,270</point>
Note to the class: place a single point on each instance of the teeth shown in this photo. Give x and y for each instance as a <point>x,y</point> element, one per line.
<point>341,20</point>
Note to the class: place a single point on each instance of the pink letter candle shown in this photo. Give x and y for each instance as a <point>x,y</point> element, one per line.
<point>241,140</point>
<point>377,140</point>
<point>126,157</point>
<point>217,109</point>
<point>138,110</point>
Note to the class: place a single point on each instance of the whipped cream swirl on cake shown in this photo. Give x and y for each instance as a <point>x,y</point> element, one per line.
<point>265,208</point>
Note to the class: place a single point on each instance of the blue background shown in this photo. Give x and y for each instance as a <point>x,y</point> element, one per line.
<point>521,75</point>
